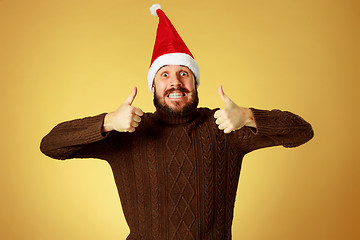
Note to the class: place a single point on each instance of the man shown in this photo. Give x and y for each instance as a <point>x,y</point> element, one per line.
<point>177,169</point>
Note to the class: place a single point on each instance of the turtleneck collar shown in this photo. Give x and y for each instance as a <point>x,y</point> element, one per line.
<point>166,117</point>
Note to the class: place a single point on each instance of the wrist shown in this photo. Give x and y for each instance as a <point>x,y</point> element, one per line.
<point>251,119</point>
<point>107,126</point>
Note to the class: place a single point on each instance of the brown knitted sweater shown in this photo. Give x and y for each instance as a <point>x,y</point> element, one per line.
<point>176,177</point>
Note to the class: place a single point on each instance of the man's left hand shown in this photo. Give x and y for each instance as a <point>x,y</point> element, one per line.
<point>232,117</point>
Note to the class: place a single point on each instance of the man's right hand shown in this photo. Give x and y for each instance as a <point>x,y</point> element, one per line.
<point>126,118</point>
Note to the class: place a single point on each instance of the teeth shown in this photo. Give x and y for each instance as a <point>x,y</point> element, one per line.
<point>175,95</point>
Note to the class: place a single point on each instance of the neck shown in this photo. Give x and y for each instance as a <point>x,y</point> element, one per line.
<point>173,118</point>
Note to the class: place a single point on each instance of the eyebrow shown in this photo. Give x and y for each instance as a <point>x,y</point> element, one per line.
<point>183,68</point>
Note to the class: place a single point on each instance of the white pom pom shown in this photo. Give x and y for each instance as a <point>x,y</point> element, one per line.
<point>153,9</point>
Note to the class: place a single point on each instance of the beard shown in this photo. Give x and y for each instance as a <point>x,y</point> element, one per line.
<point>189,107</point>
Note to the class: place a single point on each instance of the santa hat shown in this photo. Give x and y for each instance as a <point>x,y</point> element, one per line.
<point>169,48</point>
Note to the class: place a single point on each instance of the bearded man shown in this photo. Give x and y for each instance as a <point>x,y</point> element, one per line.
<point>177,169</point>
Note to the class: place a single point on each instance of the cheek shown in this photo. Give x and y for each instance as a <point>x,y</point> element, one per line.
<point>160,92</point>
<point>158,88</point>
<point>191,86</point>
<point>191,83</point>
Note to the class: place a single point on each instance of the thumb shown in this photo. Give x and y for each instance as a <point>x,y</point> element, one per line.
<point>222,95</point>
<point>131,97</point>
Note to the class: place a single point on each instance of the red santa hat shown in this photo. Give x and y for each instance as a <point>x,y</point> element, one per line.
<point>169,48</point>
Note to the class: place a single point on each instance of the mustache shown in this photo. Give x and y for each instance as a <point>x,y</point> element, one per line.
<point>181,89</point>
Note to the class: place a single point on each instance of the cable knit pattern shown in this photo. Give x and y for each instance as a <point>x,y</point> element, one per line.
<point>182,172</point>
<point>140,183</point>
<point>154,185</point>
<point>208,180</point>
<point>220,180</point>
<point>176,176</point>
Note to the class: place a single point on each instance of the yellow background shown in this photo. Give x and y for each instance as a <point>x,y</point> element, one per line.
<point>61,60</point>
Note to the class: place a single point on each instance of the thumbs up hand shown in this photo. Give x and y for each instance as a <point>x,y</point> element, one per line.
<point>232,117</point>
<point>126,118</point>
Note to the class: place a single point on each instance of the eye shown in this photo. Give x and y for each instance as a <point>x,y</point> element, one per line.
<point>183,74</point>
<point>164,75</point>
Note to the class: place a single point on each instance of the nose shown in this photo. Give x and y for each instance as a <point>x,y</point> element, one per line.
<point>175,81</point>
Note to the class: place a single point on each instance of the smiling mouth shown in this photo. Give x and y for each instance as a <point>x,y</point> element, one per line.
<point>176,95</point>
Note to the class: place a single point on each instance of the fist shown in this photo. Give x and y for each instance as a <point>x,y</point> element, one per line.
<point>232,117</point>
<point>126,118</point>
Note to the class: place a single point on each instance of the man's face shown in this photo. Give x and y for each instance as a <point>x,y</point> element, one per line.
<point>175,89</point>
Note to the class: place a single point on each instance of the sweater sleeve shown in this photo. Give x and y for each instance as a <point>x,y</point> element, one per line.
<point>66,139</point>
<point>275,128</point>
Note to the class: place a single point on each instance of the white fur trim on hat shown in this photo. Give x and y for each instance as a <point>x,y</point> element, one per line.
<point>153,9</point>
<point>173,59</point>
